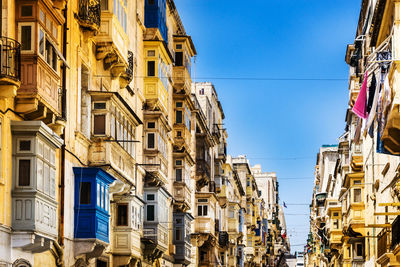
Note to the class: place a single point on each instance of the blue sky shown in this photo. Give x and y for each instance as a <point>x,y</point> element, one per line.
<point>273,122</point>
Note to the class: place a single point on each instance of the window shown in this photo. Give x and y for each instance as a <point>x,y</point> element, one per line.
<point>357,195</point>
<point>24,145</point>
<point>151,125</point>
<point>120,12</point>
<point>178,175</point>
<point>150,197</point>
<point>24,172</point>
<point>85,193</point>
<point>202,210</point>
<point>26,11</point>
<point>151,68</point>
<point>359,250</point>
<point>26,36</point>
<point>178,46</point>
<point>150,140</point>
<point>51,55</point>
<point>202,200</point>
<point>150,2</point>
<point>150,213</point>
<point>104,4</point>
<point>122,214</point>
<point>178,234</point>
<point>178,117</point>
<point>99,124</point>
<point>100,105</point>
<point>178,59</point>
<point>201,92</point>
<point>336,214</point>
<point>336,224</point>
<point>178,162</point>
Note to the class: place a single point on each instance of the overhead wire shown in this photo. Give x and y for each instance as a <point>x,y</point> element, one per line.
<point>246,78</point>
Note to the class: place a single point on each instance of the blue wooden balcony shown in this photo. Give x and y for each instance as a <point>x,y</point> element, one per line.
<point>92,204</point>
<point>155,16</point>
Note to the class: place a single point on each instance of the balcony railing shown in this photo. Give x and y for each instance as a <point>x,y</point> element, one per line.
<point>10,59</point>
<point>89,13</point>
<point>383,242</point>
<point>223,239</point>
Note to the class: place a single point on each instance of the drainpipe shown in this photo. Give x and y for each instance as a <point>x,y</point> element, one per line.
<point>59,246</point>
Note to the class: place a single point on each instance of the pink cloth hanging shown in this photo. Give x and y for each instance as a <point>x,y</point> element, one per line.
<point>360,106</point>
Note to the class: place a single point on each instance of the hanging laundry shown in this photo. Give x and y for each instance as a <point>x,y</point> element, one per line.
<point>385,99</point>
<point>359,107</point>
<point>372,103</point>
<point>371,93</point>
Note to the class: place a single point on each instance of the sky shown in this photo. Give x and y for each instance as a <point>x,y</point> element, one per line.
<point>280,124</point>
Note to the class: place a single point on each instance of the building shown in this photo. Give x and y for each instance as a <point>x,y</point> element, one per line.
<point>110,155</point>
<point>361,207</point>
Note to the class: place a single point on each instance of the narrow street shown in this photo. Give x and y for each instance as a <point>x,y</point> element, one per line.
<point>198,133</point>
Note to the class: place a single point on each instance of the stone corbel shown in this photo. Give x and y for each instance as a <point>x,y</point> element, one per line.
<point>88,249</point>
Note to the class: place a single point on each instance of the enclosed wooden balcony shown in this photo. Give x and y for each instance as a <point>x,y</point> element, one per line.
<point>391,134</point>
<point>127,225</point>
<point>384,244</point>
<point>89,14</point>
<point>182,138</point>
<point>10,67</point>
<point>184,51</point>
<point>181,79</point>
<point>182,195</point>
<point>205,225</point>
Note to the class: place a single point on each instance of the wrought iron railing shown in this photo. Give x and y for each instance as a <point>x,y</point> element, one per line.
<point>90,12</point>
<point>383,242</point>
<point>223,239</point>
<point>10,59</point>
<point>395,232</point>
<point>129,69</point>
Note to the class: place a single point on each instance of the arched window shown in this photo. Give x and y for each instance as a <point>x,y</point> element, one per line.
<point>21,263</point>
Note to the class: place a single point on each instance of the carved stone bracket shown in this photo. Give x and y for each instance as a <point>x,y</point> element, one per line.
<point>87,249</point>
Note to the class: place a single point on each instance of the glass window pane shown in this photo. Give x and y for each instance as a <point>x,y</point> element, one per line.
<point>122,215</point>
<point>46,178</point>
<point>26,37</point>
<point>85,193</point>
<point>40,175</point>
<point>178,116</point>
<point>151,68</point>
<point>52,182</point>
<point>150,213</point>
<point>178,175</point>
<point>99,124</point>
<point>41,42</point>
<point>26,11</point>
<point>24,172</point>
<point>150,140</point>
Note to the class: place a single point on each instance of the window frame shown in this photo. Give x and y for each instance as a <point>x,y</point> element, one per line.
<point>356,195</point>
<point>204,210</point>
<point>118,218</point>
<point>31,160</point>
<point>147,141</point>
<point>20,25</point>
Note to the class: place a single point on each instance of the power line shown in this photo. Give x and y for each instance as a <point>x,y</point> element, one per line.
<point>248,78</point>
<point>295,178</point>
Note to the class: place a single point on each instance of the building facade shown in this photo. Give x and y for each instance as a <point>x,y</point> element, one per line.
<point>109,154</point>
<point>360,207</point>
